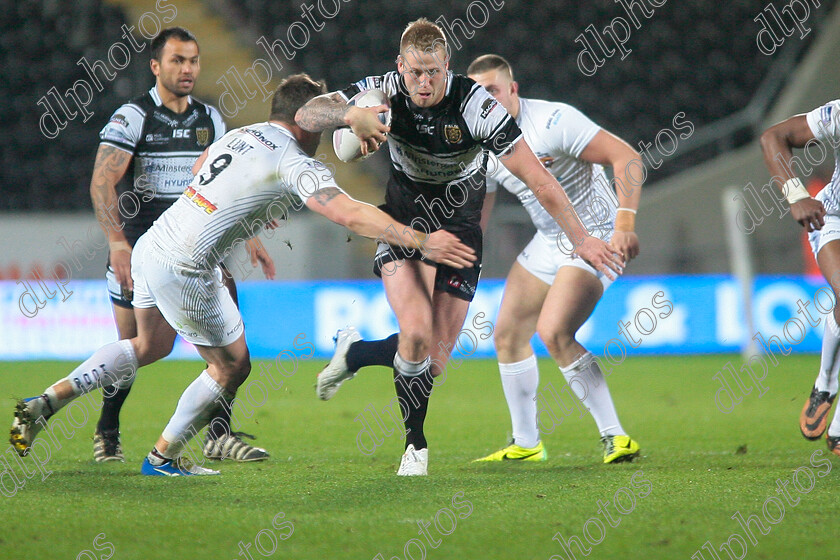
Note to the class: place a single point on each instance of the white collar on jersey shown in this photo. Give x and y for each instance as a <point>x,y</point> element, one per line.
<point>158,101</point>
<point>522,105</point>
<point>282,129</point>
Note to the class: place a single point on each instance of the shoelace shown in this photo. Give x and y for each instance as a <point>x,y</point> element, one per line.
<point>812,408</point>
<point>183,463</point>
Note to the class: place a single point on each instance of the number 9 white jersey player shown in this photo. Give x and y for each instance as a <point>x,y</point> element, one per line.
<point>176,277</point>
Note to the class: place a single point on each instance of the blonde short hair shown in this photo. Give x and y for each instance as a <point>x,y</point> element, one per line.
<point>488,62</point>
<point>424,36</point>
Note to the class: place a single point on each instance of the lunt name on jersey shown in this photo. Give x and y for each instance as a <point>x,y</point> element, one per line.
<point>239,146</point>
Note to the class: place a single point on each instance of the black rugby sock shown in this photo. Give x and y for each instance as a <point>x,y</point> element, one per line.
<point>372,353</point>
<point>414,393</point>
<point>109,418</point>
<point>219,424</point>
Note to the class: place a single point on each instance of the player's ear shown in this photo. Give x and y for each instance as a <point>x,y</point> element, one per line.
<point>155,66</point>
<point>514,88</point>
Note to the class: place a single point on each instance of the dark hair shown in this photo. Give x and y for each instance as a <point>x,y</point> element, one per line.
<point>160,40</point>
<point>292,94</point>
<point>487,62</point>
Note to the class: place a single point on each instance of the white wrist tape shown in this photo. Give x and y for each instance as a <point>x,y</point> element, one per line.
<point>794,190</point>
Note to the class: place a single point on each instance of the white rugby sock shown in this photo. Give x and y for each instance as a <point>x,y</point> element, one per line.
<point>104,368</point>
<point>195,407</point>
<point>830,357</point>
<point>586,380</point>
<point>519,382</point>
<point>410,369</point>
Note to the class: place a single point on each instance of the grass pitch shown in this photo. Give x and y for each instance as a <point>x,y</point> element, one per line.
<point>699,468</point>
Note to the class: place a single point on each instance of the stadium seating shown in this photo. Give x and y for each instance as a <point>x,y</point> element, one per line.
<point>41,42</point>
<point>689,56</point>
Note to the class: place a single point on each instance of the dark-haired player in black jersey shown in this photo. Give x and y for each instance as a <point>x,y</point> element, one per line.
<point>154,140</point>
<point>442,123</point>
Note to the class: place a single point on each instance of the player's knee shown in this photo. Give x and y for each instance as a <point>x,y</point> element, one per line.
<point>556,339</point>
<point>240,369</point>
<point>505,339</point>
<point>417,341</point>
<point>149,351</point>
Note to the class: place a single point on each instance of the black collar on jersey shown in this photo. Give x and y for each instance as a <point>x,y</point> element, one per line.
<point>153,93</point>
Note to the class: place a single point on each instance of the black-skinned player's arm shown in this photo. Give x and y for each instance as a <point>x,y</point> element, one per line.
<point>776,142</point>
<point>369,221</point>
<point>522,162</point>
<point>109,167</point>
<point>608,149</point>
<point>331,110</point>
<point>256,250</point>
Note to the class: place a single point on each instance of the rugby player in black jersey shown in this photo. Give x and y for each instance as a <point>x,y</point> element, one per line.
<point>442,123</point>
<point>153,140</point>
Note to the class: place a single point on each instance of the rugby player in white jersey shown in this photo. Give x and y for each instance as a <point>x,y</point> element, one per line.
<point>820,216</point>
<point>441,125</point>
<point>240,180</point>
<point>154,140</point>
<point>549,290</point>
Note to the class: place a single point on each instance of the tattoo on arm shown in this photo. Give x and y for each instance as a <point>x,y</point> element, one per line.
<point>323,196</point>
<point>322,112</point>
<point>108,169</point>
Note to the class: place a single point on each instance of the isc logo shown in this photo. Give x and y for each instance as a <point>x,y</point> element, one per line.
<point>181,133</point>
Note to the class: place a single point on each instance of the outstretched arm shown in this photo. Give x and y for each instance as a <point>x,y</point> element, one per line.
<point>369,221</point>
<point>608,149</point>
<point>522,162</point>
<point>776,144</point>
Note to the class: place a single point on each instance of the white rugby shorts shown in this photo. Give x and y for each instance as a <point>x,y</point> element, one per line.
<point>543,257</point>
<point>829,232</point>
<point>194,301</point>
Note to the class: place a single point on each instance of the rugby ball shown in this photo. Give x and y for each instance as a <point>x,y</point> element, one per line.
<point>346,144</point>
